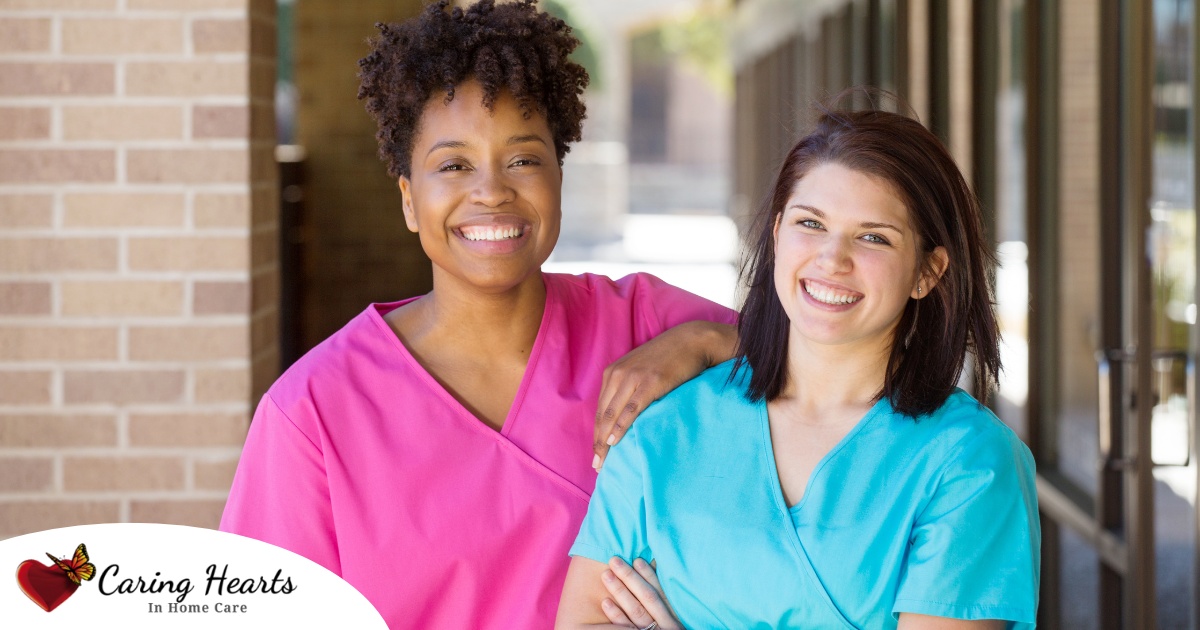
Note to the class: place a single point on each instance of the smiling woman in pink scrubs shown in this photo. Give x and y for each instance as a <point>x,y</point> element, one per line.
<point>437,448</point>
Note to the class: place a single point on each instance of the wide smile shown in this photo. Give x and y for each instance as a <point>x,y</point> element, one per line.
<point>494,234</point>
<point>830,295</point>
<point>491,233</point>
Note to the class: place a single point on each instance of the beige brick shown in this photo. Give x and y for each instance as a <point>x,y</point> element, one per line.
<point>221,210</point>
<point>216,474</point>
<point>56,79</point>
<point>187,166</point>
<point>115,210</point>
<point>36,343</point>
<point>99,474</point>
<point>122,387</point>
<point>188,343</point>
<point>214,298</point>
<point>24,517</point>
<point>185,78</point>
<point>188,254</point>
<point>122,297</point>
<point>188,430</point>
<point>220,121</point>
<point>43,255</point>
<point>24,298</point>
<point>26,474</point>
<point>223,385</point>
<point>93,36</point>
<point>57,166</point>
<point>125,122</point>
<point>220,36</point>
<point>196,513</point>
<point>57,430</point>
<point>24,388</point>
<point>24,123</point>
<point>26,211</point>
<point>185,5</point>
<point>24,35</point>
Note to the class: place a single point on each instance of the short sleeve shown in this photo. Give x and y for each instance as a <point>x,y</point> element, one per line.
<point>974,552</point>
<point>615,524</point>
<point>280,492</point>
<point>660,306</point>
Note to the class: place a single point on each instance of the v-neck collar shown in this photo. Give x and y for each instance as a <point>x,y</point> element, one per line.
<point>783,519</point>
<point>461,412</point>
<point>765,421</point>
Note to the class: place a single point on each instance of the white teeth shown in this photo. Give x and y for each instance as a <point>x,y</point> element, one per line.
<point>829,296</point>
<point>480,233</point>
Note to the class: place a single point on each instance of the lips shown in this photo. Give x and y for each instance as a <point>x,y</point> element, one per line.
<point>489,233</point>
<point>830,294</point>
<point>494,233</point>
<point>493,227</point>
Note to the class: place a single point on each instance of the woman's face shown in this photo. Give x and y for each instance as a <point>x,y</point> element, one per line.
<point>847,259</point>
<point>485,191</point>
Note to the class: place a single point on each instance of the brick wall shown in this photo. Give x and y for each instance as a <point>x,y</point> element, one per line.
<point>137,255</point>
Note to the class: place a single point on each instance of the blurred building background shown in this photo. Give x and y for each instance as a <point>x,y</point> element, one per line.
<point>190,198</point>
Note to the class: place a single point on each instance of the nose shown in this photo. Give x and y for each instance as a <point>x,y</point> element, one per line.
<point>491,188</point>
<point>835,256</point>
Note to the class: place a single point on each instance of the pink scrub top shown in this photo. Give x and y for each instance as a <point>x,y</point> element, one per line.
<point>359,460</point>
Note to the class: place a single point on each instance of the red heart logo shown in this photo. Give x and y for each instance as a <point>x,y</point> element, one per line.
<point>47,586</point>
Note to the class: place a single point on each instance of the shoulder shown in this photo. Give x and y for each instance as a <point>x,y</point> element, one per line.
<point>693,408</point>
<point>352,349</point>
<point>600,286</point>
<point>964,433</point>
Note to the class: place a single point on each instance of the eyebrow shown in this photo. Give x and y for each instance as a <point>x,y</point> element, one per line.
<point>459,144</point>
<point>532,137</point>
<point>866,224</point>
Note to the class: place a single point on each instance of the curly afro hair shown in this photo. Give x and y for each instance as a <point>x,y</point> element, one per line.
<point>511,46</point>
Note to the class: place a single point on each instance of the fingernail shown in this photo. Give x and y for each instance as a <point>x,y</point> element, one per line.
<point>596,462</point>
<point>607,576</point>
<point>639,563</point>
<point>612,439</point>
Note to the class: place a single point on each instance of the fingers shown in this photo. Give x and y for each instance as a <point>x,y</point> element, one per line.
<point>637,592</point>
<point>614,613</point>
<point>625,599</point>
<point>621,400</point>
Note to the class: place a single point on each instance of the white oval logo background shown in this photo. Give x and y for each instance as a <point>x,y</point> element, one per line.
<point>209,560</point>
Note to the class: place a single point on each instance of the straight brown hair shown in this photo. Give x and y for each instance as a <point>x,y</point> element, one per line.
<point>934,334</point>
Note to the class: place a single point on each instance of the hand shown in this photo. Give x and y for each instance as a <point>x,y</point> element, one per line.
<point>635,597</point>
<point>650,371</point>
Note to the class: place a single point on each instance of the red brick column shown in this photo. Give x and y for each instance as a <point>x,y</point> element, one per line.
<point>137,255</point>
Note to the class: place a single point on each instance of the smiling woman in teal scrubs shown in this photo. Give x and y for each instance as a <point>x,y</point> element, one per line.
<point>832,475</point>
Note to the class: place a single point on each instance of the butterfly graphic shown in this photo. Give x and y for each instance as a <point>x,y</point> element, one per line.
<point>77,568</point>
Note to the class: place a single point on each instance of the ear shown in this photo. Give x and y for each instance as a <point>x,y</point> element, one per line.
<point>936,264</point>
<point>410,216</point>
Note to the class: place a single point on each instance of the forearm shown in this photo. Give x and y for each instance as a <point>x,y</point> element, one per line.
<point>715,342</point>
<point>583,592</point>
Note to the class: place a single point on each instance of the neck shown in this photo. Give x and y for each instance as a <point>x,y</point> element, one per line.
<point>466,317</point>
<point>825,377</point>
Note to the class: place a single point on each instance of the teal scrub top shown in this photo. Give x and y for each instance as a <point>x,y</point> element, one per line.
<point>935,515</point>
